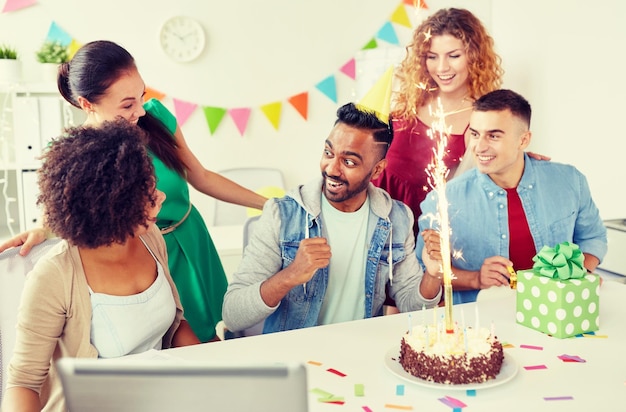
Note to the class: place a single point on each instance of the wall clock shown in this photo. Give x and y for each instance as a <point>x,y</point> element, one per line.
<point>182,38</point>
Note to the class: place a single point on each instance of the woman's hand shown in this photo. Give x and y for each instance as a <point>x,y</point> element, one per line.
<point>27,240</point>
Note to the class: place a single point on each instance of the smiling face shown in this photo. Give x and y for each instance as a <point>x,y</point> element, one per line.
<point>498,140</point>
<point>123,99</point>
<point>350,160</point>
<point>446,62</point>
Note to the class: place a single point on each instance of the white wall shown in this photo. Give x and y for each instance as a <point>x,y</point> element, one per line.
<point>261,52</point>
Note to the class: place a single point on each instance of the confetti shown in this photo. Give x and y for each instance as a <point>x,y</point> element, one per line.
<point>314,363</point>
<point>336,372</point>
<point>531,347</point>
<point>402,407</point>
<point>571,358</point>
<point>558,398</point>
<point>471,392</point>
<point>359,389</point>
<point>452,402</point>
<point>366,409</point>
<point>535,367</point>
<point>400,390</point>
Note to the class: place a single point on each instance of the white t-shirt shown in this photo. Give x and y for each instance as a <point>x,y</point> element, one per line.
<point>346,234</point>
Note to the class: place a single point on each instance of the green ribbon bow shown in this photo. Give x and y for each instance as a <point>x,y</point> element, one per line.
<point>564,261</point>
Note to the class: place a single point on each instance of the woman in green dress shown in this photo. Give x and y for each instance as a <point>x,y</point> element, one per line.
<point>102,80</point>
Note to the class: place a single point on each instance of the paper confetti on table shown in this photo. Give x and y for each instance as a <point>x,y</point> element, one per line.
<point>531,347</point>
<point>452,402</point>
<point>359,389</point>
<point>400,390</point>
<point>366,409</point>
<point>571,358</point>
<point>321,393</point>
<point>327,397</point>
<point>535,367</point>
<point>314,363</point>
<point>336,372</point>
<point>470,392</point>
<point>507,345</point>
<point>401,407</point>
<point>558,398</point>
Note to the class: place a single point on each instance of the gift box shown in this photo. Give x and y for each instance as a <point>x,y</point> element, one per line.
<point>558,297</point>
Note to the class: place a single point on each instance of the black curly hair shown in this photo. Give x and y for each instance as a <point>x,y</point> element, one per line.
<point>96,183</point>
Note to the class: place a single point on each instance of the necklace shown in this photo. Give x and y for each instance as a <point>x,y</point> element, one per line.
<point>459,108</point>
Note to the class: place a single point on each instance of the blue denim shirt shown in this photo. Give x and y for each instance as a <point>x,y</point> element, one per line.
<point>275,241</point>
<point>555,198</point>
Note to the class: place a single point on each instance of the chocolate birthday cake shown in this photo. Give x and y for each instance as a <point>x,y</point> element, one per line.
<point>431,354</point>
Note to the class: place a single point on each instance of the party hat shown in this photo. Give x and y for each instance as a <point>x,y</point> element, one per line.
<point>378,98</point>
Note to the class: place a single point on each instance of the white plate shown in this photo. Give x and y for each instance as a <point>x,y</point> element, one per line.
<point>508,372</point>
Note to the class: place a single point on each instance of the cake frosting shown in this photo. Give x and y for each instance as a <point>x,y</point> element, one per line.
<point>461,357</point>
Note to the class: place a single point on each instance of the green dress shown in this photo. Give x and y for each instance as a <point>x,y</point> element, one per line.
<point>193,260</point>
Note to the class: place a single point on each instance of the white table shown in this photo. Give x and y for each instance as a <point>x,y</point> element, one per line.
<point>358,349</point>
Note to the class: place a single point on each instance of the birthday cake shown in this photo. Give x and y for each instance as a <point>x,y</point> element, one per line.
<point>461,357</point>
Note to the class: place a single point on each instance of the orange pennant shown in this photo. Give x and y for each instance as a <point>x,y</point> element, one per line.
<point>151,93</point>
<point>420,4</point>
<point>301,103</point>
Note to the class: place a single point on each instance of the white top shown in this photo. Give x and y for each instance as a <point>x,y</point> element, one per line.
<point>346,234</point>
<point>124,325</point>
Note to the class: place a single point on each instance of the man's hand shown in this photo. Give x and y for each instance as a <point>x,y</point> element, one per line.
<point>313,254</point>
<point>431,254</point>
<point>494,272</point>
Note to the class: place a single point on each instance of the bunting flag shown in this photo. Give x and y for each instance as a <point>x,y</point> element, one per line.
<point>14,5</point>
<point>214,116</point>
<point>419,4</point>
<point>388,34</point>
<point>372,44</point>
<point>151,93</point>
<point>328,86</point>
<point>240,116</point>
<point>349,69</point>
<point>301,103</point>
<point>400,17</point>
<point>57,34</point>
<point>183,110</point>
<point>272,112</point>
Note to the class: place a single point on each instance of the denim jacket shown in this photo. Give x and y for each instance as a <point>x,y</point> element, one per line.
<point>556,200</point>
<point>275,241</point>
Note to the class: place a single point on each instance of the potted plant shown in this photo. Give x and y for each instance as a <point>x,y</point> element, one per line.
<point>50,55</point>
<point>10,66</point>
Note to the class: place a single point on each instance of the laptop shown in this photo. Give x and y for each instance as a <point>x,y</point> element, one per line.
<point>97,385</point>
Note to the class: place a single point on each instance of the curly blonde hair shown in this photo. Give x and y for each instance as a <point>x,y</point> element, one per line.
<point>417,87</point>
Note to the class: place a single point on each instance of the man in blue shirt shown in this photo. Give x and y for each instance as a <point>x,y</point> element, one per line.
<point>325,252</point>
<point>507,208</point>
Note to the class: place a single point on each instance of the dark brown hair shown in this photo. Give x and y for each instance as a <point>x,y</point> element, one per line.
<point>96,183</point>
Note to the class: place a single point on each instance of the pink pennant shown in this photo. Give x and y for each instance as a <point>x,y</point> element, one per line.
<point>183,110</point>
<point>240,116</point>
<point>349,69</point>
<point>13,5</point>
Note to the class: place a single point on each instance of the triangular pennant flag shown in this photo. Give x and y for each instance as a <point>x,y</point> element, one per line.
<point>240,116</point>
<point>301,103</point>
<point>151,93</point>
<point>420,4</point>
<point>73,48</point>
<point>372,44</point>
<point>272,112</point>
<point>57,34</point>
<point>13,5</point>
<point>183,110</point>
<point>400,17</point>
<point>378,98</point>
<point>214,116</point>
<point>328,86</point>
<point>388,34</point>
<point>349,69</point>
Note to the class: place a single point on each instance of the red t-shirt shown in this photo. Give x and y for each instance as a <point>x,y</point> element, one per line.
<point>521,244</point>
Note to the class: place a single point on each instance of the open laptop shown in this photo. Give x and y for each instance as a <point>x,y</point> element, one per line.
<point>96,385</point>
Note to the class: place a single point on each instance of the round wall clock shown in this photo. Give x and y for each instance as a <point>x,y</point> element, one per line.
<point>182,38</point>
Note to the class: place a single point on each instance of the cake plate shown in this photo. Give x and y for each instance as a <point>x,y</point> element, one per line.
<point>507,372</point>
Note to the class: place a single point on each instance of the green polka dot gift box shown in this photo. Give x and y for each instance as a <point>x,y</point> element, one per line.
<point>557,296</point>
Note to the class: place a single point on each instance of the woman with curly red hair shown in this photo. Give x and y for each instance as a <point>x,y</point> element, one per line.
<point>450,61</point>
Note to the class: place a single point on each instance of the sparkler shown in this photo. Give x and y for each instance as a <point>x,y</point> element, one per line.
<point>437,174</point>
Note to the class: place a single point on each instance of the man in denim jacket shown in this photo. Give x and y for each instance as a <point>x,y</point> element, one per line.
<point>325,252</point>
<point>506,209</point>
